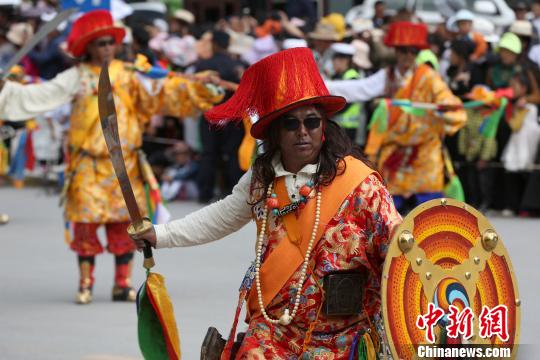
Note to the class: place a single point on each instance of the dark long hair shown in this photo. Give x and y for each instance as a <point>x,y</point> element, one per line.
<point>336,146</point>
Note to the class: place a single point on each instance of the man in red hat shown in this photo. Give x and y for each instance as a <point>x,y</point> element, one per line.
<point>409,154</point>
<point>323,216</point>
<point>93,196</point>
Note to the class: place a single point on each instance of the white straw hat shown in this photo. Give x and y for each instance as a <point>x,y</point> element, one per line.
<point>343,48</point>
<point>361,54</point>
<point>184,15</point>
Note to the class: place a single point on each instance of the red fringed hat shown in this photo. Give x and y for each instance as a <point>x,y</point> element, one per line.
<point>274,86</point>
<point>404,33</point>
<point>90,26</point>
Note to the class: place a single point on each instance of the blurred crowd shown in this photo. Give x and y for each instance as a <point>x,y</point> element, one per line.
<point>197,162</point>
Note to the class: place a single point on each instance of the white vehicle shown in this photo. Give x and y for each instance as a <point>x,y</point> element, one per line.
<point>14,3</point>
<point>495,11</point>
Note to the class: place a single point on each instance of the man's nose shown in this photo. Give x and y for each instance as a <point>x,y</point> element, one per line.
<point>302,130</point>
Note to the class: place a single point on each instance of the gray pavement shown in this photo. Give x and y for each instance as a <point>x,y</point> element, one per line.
<point>38,280</point>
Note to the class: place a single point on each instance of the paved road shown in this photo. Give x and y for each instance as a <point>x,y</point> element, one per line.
<point>38,280</point>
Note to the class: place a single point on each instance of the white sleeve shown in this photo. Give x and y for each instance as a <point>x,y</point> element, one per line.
<point>360,89</point>
<point>210,223</point>
<point>22,102</point>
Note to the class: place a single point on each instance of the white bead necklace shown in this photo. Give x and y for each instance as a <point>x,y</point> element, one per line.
<point>287,317</point>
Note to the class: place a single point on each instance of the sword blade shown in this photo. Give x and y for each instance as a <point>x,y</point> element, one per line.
<point>40,35</point>
<point>109,125</point>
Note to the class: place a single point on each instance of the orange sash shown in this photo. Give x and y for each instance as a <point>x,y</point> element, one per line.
<point>289,254</point>
<point>406,92</point>
<point>247,147</point>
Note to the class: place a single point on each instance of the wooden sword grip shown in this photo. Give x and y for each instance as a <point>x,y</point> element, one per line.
<point>139,228</point>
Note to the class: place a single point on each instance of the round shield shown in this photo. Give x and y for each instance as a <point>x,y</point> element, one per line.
<point>448,280</point>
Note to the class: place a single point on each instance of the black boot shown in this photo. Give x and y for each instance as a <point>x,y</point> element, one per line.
<point>122,290</point>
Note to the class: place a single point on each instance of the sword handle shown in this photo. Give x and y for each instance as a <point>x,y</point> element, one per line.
<point>148,262</point>
<point>140,227</point>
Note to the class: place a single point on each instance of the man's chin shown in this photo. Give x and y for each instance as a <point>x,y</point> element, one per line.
<point>107,59</point>
<point>304,148</point>
<point>307,157</point>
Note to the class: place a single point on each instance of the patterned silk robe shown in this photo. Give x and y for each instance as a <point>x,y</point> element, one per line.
<point>410,157</point>
<point>93,195</point>
<point>356,238</point>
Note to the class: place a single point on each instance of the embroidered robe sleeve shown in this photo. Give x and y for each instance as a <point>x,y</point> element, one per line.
<point>452,121</point>
<point>377,213</point>
<point>184,97</point>
<point>210,223</point>
<point>146,94</point>
<point>22,102</point>
<point>411,130</point>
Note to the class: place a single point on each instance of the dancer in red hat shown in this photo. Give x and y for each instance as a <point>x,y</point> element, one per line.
<point>324,219</point>
<point>93,196</point>
<point>409,153</point>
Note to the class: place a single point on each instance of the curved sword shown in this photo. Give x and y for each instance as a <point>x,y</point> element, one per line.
<point>109,125</point>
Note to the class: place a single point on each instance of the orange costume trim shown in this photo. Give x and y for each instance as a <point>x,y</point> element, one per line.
<point>289,254</point>
<point>481,46</point>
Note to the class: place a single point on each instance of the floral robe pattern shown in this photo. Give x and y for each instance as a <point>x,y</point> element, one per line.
<point>356,238</point>
<point>410,158</point>
<point>94,195</point>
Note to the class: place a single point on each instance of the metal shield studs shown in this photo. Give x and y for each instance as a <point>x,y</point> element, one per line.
<point>406,241</point>
<point>490,240</point>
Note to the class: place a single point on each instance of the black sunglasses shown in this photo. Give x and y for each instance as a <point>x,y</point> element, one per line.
<point>103,43</point>
<point>293,124</point>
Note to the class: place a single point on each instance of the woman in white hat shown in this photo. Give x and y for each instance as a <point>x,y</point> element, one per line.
<point>524,30</point>
<point>179,47</point>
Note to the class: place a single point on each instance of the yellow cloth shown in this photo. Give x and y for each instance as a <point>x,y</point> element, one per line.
<point>247,148</point>
<point>517,119</point>
<point>410,133</point>
<point>155,284</point>
<point>94,194</point>
<point>182,97</point>
<point>4,159</point>
<point>370,348</point>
